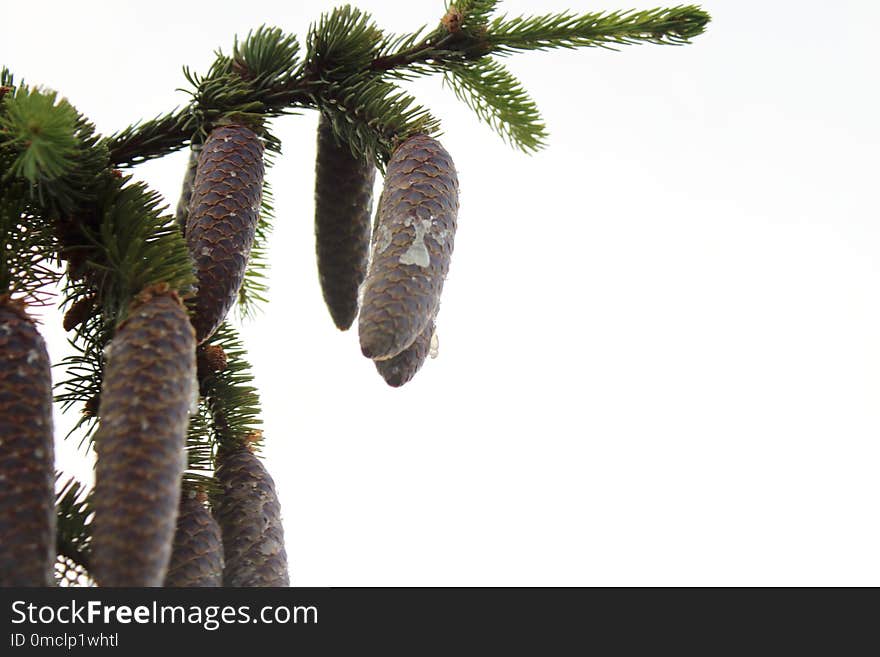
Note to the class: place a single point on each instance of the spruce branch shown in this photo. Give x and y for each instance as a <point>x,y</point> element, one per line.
<point>200,451</point>
<point>233,404</point>
<point>137,246</point>
<point>345,49</point>
<point>674,26</point>
<point>39,127</point>
<point>267,56</point>
<point>150,139</point>
<point>73,509</point>
<point>342,43</point>
<point>28,246</point>
<point>84,369</point>
<point>500,100</point>
<point>474,13</point>
<point>52,147</point>
<point>255,286</point>
<point>371,114</point>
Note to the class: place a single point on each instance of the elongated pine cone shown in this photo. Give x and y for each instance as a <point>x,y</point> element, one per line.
<point>412,246</point>
<point>27,474</point>
<point>197,554</point>
<point>343,206</point>
<point>223,215</point>
<point>249,516</point>
<point>401,368</point>
<point>146,394</point>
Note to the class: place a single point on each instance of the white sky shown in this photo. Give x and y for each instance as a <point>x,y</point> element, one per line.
<point>659,359</point>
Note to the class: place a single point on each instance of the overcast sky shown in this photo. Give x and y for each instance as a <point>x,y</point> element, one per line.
<point>659,339</point>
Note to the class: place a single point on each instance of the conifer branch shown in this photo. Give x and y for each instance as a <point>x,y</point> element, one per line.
<point>200,451</point>
<point>53,148</point>
<point>370,114</point>
<point>73,509</point>
<point>29,245</point>
<point>255,285</point>
<point>500,100</point>
<point>233,404</point>
<point>150,139</point>
<point>345,50</point>
<point>674,26</point>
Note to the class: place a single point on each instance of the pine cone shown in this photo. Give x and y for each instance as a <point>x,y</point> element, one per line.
<point>249,516</point>
<point>343,205</point>
<point>145,399</point>
<point>399,369</point>
<point>197,555</point>
<point>27,475</point>
<point>78,313</point>
<point>210,359</point>
<point>412,246</point>
<point>223,215</point>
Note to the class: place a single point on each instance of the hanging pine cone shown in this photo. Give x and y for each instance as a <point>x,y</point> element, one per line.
<point>145,399</point>
<point>27,475</point>
<point>249,516</point>
<point>223,215</point>
<point>197,554</point>
<point>412,246</point>
<point>343,205</point>
<point>399,369</point>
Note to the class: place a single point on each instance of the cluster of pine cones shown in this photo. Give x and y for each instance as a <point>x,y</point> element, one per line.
<point>147,530</point>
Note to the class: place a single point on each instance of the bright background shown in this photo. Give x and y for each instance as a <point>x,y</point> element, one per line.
<point>659,359</point>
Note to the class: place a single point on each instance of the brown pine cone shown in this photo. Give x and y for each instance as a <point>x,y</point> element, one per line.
<point>412,246</point>
<point>343,205</point>
<point>197,555</point>
<point>78,313</point>
<point>145,399</point>
<point>27,475</point>
<point>223,215</point>
<point>249,516</point>
<point>399,369</point>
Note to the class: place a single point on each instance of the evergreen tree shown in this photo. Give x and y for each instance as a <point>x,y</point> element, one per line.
<point>128,264</point>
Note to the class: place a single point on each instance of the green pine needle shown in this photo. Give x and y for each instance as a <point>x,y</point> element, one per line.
<point>199,451</point>
<point>233,403</point>
<point>674,26</point>
<point>138,246</point>
<point>370,115</point>
<point>500,100</point>
<point>255,287</point>
<point>28,246</point>
<point>475,13</point>
<point>342,43</point>
<point>74,513</point>
<point>40,129</point>
<point>267,55</point>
